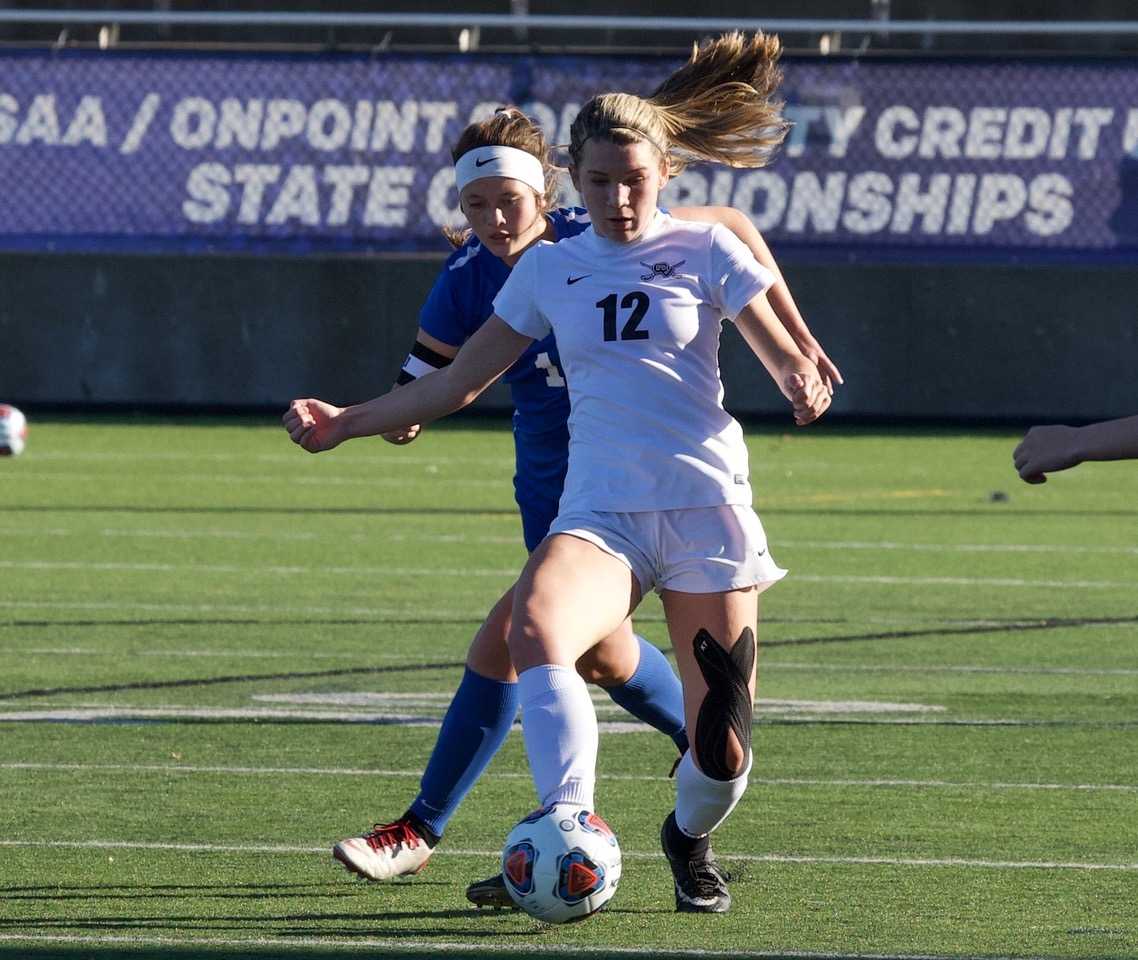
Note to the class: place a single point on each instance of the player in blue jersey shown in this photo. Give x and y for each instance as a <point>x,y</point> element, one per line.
<point>507,197</point>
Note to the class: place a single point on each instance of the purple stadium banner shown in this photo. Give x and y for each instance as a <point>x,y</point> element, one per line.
<point>912,158</point>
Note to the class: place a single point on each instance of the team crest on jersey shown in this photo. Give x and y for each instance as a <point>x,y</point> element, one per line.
<point>660,269</point>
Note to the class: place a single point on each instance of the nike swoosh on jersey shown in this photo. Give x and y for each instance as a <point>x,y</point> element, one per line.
<point>569,281</point>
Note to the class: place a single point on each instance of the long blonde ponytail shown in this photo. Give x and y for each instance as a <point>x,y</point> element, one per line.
<point>717,107</point>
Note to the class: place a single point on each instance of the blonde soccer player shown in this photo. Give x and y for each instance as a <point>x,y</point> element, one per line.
<point>507,187</point>
<point>657,494</point>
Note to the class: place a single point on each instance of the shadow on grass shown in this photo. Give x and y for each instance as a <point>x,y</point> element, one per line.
<point>160,891</point>
<point>237,678</point>
<point>286,511</point>
<point>270,950</point>
<point>278,950</point>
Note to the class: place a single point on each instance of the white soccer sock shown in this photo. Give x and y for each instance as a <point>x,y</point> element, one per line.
<point>560,729</point>
<point>702,804</point>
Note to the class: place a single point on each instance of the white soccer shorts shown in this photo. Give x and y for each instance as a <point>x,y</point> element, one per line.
<point>692,550</point>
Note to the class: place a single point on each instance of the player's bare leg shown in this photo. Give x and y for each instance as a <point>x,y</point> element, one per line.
<point>714,639</point>
<point>570,596</point>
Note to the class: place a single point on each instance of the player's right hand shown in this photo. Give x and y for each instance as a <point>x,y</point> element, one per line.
<point>808,395</point>
<point>311,424</point>
<point>406,435</point>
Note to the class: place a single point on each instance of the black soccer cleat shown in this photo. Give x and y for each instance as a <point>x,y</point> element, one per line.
<point>491,892</point>
<point>701,884</point>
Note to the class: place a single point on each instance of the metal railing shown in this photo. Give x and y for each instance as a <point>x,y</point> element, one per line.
<point>694,25</point>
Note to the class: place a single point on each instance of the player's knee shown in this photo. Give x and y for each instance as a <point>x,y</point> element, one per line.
<point>607,664</point>
<point>722,738</point>
<point>594,667</point>
<point>528,640</point>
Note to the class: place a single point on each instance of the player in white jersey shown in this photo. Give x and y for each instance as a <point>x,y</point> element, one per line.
<point>657,494</point>
<point>507,215</point>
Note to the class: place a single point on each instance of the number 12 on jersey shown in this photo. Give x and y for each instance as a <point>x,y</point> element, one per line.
<point>637,302</point>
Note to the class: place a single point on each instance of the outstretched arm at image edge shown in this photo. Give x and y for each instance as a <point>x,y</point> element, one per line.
<point>1051,448</point>
<point>797,376</point>
<point>316,425</point>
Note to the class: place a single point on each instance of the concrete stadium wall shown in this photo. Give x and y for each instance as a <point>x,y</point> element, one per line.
<point>935,342</point>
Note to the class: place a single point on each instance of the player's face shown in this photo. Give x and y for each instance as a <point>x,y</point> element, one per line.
<point>620,185</point>
<point>504,214</point>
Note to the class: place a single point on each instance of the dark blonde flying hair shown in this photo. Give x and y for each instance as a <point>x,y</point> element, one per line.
<point>508,127</point>
<point>717,107</point>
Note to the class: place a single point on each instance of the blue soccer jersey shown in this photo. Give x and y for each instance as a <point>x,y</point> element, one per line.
<point>461,300</point>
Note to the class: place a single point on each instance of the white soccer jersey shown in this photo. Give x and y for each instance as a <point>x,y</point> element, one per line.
<point>637,326</point>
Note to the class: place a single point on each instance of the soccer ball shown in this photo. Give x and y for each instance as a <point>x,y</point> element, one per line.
<point>561,863</point>
<point>13,431</point>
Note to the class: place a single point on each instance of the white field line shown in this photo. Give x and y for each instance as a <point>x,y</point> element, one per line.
<point>211,654</point>
<point>115,714</point>
<point>963,862</point>
<point>967,582</point>
<point>297,536</point>
<point>342,460</point>
<point>395,714</point>
<point>459,478</point>
<point>954,547</point>
<point>180,533</point>
<point>433,947</point>
<point>240,608</point>
<point>843,782</point>
<point>370,656</point>
<point>161,715</point>
<point>602,704</point>
<point>892,620</point>
<point>765,665</point>
<point>230,569</point>
<point>942,668</point>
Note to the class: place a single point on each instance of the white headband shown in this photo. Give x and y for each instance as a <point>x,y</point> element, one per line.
<point>483,162</point>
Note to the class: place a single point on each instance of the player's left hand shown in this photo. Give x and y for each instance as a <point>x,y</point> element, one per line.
<point>312,425</point>
<point>807,394</point>
<point>1044,450</point>
<point>404,436</point>
<point>827,369</point>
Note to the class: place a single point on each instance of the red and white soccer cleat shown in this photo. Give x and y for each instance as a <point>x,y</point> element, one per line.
<point>389,850</point>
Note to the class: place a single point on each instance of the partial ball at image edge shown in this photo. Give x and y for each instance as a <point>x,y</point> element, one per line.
<point>13,431</point>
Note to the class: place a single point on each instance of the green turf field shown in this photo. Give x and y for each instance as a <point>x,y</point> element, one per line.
<point>218,655</point>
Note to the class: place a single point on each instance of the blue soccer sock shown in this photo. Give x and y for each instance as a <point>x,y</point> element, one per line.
<point>475,726</point>
<point>654,694</point>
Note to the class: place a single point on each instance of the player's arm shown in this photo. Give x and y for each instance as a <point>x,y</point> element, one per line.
<point>779,295</point>
<point>797,375</point>
<point>316,425</point>
<point>428,354</point>
<point>1048,449</point>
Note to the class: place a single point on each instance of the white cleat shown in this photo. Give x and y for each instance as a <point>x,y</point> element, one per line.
<point>390,850</point>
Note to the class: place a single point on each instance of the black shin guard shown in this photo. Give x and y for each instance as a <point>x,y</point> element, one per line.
<point>727,705</point>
